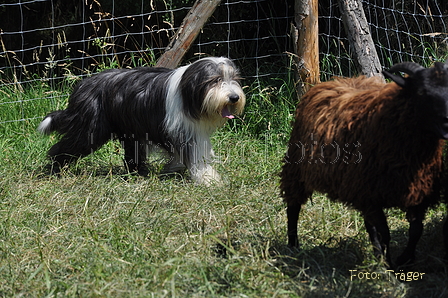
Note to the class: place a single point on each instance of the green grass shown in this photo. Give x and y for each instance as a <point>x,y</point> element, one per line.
<point>99,232</point>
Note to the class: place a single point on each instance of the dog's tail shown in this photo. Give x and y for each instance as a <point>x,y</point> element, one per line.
<point>52,122</point>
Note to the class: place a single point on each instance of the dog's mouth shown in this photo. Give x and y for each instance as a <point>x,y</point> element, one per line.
<point>225,113</point>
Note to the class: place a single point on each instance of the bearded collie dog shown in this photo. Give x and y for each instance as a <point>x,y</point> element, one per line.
<point>173,109</point>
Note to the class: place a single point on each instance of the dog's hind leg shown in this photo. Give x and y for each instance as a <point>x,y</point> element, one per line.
<point>135,155</point>
<point>70,148</point>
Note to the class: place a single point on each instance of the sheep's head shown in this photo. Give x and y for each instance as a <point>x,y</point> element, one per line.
<point>429,87</point>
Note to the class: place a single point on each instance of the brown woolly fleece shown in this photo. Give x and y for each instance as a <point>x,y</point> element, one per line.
<point>364,143</point>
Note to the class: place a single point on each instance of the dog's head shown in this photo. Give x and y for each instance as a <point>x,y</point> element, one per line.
<point>211,90</point>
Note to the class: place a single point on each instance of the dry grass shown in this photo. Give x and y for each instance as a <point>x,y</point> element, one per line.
<point>98,232</point>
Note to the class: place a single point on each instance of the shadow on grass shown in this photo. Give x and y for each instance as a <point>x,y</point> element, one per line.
<point>95,170</point>
<point>429,260</point>
<point>346,268</point>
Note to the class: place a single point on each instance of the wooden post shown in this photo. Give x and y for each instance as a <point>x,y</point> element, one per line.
<point>187,32</point>
<point>358,32</point>
<point>306,42</point>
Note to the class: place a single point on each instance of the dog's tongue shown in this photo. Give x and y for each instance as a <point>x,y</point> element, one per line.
<point>225,113</point>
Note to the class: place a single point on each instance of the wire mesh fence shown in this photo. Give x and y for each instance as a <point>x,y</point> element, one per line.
<point>54,43</point>
<point>99,37</point>
<point>57,42</point>
<point>401,30</point>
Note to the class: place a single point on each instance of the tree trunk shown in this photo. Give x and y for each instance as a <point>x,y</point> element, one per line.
<point>358,32</point>
<point>187,32</point>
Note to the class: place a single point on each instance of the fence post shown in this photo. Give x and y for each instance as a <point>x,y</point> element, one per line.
<point>306,43</point>
<point>358,32</point>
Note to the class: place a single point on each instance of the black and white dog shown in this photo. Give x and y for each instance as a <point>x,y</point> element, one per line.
<point>176,110</point>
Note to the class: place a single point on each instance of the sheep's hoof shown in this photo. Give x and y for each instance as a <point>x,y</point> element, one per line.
<point>404,260</point>
<point>293,241</point>
<point>294,248</point>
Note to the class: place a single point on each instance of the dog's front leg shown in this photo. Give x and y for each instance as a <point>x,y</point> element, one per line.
<point>198,158</point>
<point>203,173</point>
<point>175,164</point>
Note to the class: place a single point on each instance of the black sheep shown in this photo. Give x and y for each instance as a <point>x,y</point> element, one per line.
<point>371,145</point>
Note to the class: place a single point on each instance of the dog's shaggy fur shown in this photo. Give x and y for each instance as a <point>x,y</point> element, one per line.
<point>176,110</point>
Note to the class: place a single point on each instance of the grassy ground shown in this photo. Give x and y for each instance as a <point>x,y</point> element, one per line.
<point>98,232</point>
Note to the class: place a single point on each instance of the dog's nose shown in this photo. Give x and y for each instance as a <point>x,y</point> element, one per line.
<point>234,98</point>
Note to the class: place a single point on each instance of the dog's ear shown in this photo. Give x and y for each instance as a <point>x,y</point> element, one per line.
<point>195,84</point>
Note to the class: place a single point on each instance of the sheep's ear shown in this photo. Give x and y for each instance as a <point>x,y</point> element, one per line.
<point>397,79</point>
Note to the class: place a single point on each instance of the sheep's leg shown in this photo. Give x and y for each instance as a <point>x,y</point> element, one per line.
<point>376,225</point>
<point>415,217</point>
<point>445,237</point>
<point>292,211</point>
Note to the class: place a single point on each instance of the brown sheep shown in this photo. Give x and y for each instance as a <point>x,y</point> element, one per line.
<point>371,145</point>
